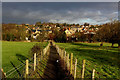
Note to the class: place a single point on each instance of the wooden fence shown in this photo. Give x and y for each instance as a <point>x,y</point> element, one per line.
<point>43,53</point>
<point>68,60</point>
<point>26,65</point>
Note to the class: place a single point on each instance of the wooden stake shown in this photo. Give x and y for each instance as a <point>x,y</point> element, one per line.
<point>62,54</point>
<point>93,74</point>
<point>34,61</point>
<point>2,74</point>
<point>58,50</point>
<point>71,63</point>
<point>83,69</point>
<point>75,69</point>
<point>26,68</point>
<point>68,66</point>
<point>65,56</point>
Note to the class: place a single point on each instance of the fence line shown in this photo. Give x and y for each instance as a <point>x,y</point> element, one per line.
<point>44,52</point>
<point>27,65</point>
<point>69,63</point>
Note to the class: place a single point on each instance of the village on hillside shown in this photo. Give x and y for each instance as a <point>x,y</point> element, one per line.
<point>48,31</point>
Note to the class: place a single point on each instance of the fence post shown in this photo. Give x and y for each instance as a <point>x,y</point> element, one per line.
<point>2,74</point>
<point>45,51</point>
<point>62,54</point>
<point>75,69</point>
<point>34,61</point>
<point>93,74</point>
<point>68,61</point>
<point>26,73</point>
<point>65,56</point>
<point>58,51</point>
<point>71,63</point>
<point>83,69</point>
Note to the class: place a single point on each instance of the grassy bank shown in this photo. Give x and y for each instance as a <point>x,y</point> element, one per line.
<point>103,59</point>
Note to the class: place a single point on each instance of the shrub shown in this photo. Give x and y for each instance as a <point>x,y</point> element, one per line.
<point>36,49</point>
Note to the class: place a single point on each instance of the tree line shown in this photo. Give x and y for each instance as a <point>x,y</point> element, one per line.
<point>109,32</point>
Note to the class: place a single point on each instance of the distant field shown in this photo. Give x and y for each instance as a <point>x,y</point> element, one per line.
<point>103,59</point>
<point>12,51</point>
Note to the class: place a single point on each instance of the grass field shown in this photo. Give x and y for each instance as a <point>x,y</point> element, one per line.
<point>103,59</point>
<point>12,51</point>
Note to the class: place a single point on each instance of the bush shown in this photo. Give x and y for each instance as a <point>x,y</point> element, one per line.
<point>36,49</point>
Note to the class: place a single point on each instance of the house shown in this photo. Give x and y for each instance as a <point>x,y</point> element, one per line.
<point>69,32</point>
<point>49,31</point>
<point>90,32</point>
<point>78,29</point>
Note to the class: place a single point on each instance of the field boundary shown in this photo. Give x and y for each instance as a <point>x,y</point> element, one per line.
<point>69,63</point>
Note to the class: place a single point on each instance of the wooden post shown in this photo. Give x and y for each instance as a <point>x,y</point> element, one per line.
<point>71,63</point>
<point>58,51</point>
<point>2,74</point>
<point>83,69</point>
<point>62,54</point>
<point>93,74</point>
<point>45,51</point>
<point>63,51</point>
<point>65,56</point>
<point>34,61</point>
<point>68,65</point>
<point>26,68</point>
<point>75,69</point>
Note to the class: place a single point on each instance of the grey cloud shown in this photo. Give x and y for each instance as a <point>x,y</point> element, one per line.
<point>76,13</point>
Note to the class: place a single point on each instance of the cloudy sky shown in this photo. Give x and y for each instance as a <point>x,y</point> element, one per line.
<point>59,12</point>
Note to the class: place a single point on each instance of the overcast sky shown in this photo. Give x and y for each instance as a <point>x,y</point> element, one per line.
<point>59,12</point>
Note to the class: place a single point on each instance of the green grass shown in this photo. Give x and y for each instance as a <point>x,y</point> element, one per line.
<point>103,59</point>
<point>12,51</point>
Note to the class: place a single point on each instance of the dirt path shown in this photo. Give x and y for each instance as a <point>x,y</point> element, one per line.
<point>54,69</point>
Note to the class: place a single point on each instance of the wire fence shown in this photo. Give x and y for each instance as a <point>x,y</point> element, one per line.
<point>35,66</point>
<point>71,64</point>
<point>20,70</point>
